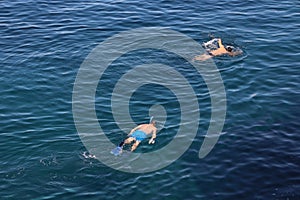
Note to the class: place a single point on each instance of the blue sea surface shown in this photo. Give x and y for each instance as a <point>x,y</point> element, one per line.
<point>42,46</point>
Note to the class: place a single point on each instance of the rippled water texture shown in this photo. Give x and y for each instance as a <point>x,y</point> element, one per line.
<point>43,44</point>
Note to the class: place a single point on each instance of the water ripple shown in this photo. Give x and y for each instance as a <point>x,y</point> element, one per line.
<point>43,44</point>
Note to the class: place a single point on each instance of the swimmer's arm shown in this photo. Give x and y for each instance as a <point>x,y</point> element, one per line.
<point>220,43</point>
<point>202,57</point>
<point>153,136</point>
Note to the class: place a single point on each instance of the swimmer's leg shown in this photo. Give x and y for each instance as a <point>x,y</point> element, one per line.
<point>127,141</point>
<point>135,145</point>
<point>121,144</point>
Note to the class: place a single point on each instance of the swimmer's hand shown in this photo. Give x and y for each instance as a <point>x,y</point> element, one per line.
<point>151,141</point>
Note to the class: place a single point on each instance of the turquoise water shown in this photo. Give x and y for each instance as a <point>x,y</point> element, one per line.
<point>42,47</point>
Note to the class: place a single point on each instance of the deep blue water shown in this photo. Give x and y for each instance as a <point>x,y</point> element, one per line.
<point>43,44</point>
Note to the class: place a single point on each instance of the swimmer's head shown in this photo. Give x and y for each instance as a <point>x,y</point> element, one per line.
<point>229,48</point>
<point>153,122</point>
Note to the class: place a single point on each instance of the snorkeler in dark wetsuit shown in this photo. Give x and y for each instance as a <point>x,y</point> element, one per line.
<point>222,50</point>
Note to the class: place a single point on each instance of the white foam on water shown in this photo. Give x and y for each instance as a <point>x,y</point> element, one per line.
<point>88,155</point>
